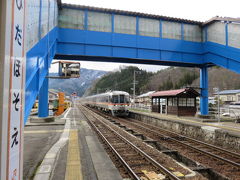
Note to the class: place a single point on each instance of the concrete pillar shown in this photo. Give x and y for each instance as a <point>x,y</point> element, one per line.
<point>204,90</point>
<point>43,99</point>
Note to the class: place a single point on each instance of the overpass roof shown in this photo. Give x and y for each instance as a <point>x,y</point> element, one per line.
<point>146,15</point>
<point>130,13</point>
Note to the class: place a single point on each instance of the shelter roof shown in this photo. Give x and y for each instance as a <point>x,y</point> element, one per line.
<point>173,92</point>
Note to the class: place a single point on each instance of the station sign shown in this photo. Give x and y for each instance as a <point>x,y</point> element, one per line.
<point>16,89</point>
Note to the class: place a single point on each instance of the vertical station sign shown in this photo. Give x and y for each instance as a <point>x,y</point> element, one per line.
<point>16,91</point>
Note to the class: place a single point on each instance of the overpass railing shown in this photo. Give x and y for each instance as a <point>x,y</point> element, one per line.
<point>221,32</point>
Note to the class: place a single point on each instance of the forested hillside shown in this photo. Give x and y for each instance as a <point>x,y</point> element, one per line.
<point>172,78</point>
<point>169,78</point>
<point>121,80</point>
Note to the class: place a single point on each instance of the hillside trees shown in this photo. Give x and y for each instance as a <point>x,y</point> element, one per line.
<point>165,79</point>
<point>122,80</point>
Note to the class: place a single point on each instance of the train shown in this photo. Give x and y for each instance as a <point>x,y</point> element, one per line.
<point>114,102</point>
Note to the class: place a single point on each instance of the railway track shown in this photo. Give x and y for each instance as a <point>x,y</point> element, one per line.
<point>134,160</point>
<point>224,162</point>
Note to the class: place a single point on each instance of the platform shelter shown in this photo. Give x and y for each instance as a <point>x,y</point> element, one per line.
<point>180,102</point>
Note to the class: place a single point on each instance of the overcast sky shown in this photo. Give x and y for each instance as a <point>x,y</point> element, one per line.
<point>199,10</point>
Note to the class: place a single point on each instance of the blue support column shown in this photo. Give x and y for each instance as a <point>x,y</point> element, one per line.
<point>43,99</point>
<point>204,90</point>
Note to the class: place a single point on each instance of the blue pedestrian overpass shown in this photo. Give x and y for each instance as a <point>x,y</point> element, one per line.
<point>75,32</point>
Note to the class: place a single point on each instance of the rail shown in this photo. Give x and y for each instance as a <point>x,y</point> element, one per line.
<point>162,168</point>
<point>197,149</point>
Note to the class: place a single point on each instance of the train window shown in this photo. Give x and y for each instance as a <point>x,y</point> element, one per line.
<point>121,98</point>
<point>127,100</point>
<point>114,99</point>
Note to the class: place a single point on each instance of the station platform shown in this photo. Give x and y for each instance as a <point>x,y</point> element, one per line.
<point>225,133</point>
<point>226,124</point>
<point>76,155</point>
<point>72,151</point>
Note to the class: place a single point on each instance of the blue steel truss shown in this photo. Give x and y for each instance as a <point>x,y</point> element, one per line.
<point>75,44</point>
<point>39,59</point>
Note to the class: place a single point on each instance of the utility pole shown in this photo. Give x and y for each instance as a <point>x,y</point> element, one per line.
<point>217,91</point>
<point>218,107</point>
<point>134,86</point>
<point>134,83</point>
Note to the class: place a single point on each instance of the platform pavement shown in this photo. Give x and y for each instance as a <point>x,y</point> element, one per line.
<point>77,154</point>
<point>226,125</point>
<point>37,141</point>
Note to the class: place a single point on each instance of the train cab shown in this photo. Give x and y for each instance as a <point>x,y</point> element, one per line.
<point>119,103</point>
<point>114,102</point>
<point>120,99</point>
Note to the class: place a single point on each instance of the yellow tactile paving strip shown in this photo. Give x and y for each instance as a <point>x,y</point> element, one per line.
<point>45,131</point>
<point>73,167</point>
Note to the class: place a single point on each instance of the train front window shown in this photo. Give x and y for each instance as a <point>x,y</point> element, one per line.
<point>114,99</point>
<point>121,98</point>
<point>127,99</point>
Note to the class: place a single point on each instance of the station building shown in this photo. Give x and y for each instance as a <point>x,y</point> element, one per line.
<point>180,102</point>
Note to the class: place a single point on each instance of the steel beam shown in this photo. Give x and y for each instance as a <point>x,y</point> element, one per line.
<point>43,99</point>
<point>204,90</point>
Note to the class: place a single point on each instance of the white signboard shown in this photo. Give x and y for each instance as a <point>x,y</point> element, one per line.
<point>16,90</point>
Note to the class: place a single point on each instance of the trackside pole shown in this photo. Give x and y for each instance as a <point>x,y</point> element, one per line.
<point>204,90</point>
<point>43,99</point>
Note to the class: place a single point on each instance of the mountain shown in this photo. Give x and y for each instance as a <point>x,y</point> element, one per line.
<point>79,85</point>
<point>120,80</point>
<point>172,78</point>
<point>221,78</point>
<point>165,79</point>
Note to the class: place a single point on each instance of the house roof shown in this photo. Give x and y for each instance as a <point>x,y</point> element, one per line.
<point>53,91</point>
<point>146,94</point>
<point>228,92</point>
<point>173,92</point>
<point>217,18</point>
